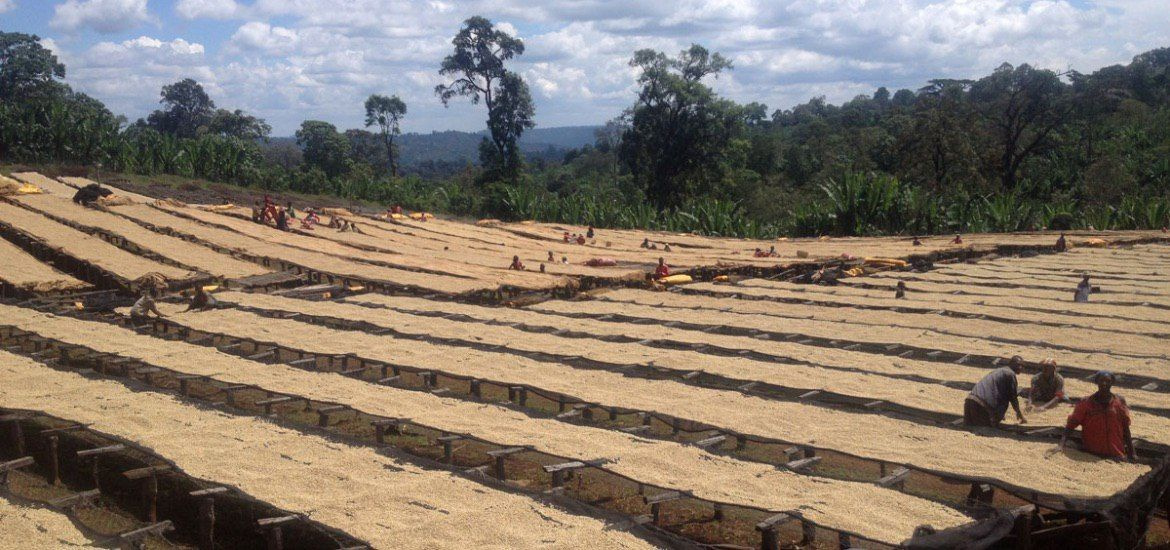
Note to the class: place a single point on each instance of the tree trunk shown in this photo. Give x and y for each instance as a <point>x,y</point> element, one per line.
<point>390,155</point>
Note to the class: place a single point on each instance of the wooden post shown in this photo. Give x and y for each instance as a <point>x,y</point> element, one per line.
<point>500,455</point>
<point>207,524</point>
<point>275,538</point>
<point>476,391</point>
<point>152,497</point>
<point>17,435</point>
<point>54,461</point>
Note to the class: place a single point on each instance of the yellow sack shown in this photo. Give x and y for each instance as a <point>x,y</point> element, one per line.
<point>218,207</point>
<point>29,189</point>
<point>1096,243</point>
<point>885,262</point>
<point>423,216</point>
<point>721,278</point>
<point>397,216</point>
<point>675,279</point>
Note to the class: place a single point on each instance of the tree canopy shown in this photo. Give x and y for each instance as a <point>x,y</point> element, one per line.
<point>28,70</point>
<point>386,113</point>
<point>478,67</point>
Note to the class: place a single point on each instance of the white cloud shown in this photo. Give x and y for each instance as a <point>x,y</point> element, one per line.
<point>105,16</point>
<point>256,36</point>
<point>298,59</point>
<point>210,9</point>
<point>7,5</point>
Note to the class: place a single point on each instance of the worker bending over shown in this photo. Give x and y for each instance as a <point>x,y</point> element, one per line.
<point>141,310</point>
<point>517,265</point>
<point>1047,387</point>
<point>988,401</point>
<point>1084,289</point>
<point>201,300</point>
<point>1104,421</point>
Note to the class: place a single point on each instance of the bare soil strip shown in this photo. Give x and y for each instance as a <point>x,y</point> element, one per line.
<point>21,270</point>
<point>375,497</point>
<point>187,253</point>
<point>922,303</point>
<point>925,447</point>
<point>651,461</point>
<point>922,339</point>
<point>36,528</point>
<point>47,184</point>
<point>1073,339</point>
<point>87,247</point>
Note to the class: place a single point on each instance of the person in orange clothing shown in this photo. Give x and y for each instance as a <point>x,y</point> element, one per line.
<point>1104,421</point>
<point>662,270</point>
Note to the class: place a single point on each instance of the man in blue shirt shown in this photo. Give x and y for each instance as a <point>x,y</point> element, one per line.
<point>988,401</point>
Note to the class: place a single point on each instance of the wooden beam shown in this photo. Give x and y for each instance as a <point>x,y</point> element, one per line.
<point>101,450</point>
<point>896,479</point>
<point>797,465</point>
<point>209,491</point>
<point>153,529</point>
<point>77,499</point>
<point>709,442</point>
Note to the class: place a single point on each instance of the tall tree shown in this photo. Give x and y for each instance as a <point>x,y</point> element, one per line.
<point>186,108</point>
<point>28,69</point>
<point>1023,107</point>
<point>238,124</point>
<point>323,147</point>
<point>679,129</point>
<point>478,65</point>
<point>386,112</point>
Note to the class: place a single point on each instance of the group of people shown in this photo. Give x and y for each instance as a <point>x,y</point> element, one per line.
<point>1103,417</point>
<point>280,217</point>
<point>146,305</point>
<point>581,238</point>
<point>770,253</point>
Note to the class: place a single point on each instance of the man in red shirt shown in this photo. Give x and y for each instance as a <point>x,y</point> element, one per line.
<point>662,270</point>
<point>1104,421</point>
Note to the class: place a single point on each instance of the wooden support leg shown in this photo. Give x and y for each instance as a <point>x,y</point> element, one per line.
<point>54,461</point>
<point>17,437</point>
<point>808,534</point>
<point>844,541</point>
<point>476,391</point>
<point>769,540</point>
<point>275,538</point>
<point>207,524</point>
<point>501,474</point>
<point>719,514</point>
<point>152,498</point>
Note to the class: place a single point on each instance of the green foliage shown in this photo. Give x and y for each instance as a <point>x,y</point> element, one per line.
<point>28,71</point>
<point>324,148</point>
<point>186,109</point>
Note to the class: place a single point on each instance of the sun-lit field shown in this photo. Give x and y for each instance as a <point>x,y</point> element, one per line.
<point>398,385</point>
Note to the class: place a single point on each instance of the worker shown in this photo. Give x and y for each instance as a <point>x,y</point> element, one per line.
<point>1084,288</point>
<point>759,253</point>
<point>550,256</point>
<point>269,213</point>
<point>396,209</point>
<point>916,242</point>
<point>311,219</point>
<point>257,212</point>
<point>580,239</point>
<point>141,310</point>
<point>90,193</point>
<point>542,267</point>
<point>565,260</point>
<point>201,300</point>
<point>1047,387</point>
<point>565,236</point>
<point>645,243</point>
<point>958,239</point>
<point>900,291</point>
<point>281,219</point>
<point>1061,243</point>
<point>989,399</point>
<point>662,270</point>
<point>589,233</point>
<point>353,227</point>
<point>772,252</point>
<point>1104,421</point>
<point>666,247</point>
<point>516,264</point>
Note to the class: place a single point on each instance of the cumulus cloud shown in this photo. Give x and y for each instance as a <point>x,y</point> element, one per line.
<point>210,9</point>
<point>104,16</point>
<point>257,36</point>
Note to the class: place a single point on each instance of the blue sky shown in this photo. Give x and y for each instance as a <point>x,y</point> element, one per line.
<point>291,60</point>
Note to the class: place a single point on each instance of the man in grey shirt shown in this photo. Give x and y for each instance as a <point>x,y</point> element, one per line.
<point>988,401</point>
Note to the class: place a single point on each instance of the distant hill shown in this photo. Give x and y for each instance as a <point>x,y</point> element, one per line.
<point>452,147</point>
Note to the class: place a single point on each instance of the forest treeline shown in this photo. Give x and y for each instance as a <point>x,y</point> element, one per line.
<point>1021,148</point>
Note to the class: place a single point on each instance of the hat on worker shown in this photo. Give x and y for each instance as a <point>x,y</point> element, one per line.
<point>1101,373</point>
